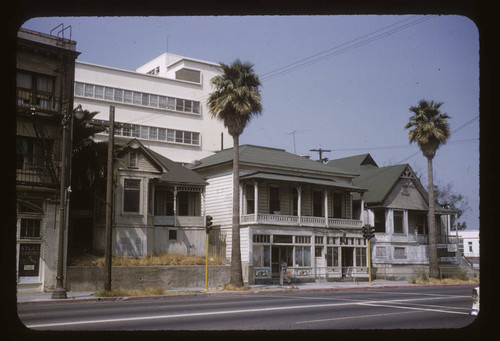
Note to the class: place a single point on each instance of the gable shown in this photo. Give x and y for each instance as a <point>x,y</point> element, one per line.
<point>406,195</point>
<point>136,160</point>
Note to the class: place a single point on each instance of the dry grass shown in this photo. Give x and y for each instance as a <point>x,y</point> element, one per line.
<point>121,292</point>
<point>459,279</point>
<point>165,259</point>
<point>234,288</point>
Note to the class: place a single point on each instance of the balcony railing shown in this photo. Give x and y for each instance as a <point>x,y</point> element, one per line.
<point>187,221</point>
<point>34,174</point>
<point>279,219</point>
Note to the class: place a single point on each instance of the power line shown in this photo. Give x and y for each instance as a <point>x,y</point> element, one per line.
<point>302,62</point>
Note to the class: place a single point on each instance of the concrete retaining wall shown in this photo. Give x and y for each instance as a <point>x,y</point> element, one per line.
<point>89,278</point>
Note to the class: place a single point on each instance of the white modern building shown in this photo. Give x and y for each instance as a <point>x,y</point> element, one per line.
<point>163,104</point>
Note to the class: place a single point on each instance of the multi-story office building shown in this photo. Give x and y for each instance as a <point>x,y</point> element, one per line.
<point>163,102</point>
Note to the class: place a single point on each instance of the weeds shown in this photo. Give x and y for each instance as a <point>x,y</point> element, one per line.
<point>157,260</point>
<point>121,292</point>
<point>234,288</point>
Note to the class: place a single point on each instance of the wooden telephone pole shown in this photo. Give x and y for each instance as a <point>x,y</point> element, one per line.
<point>321,151</point>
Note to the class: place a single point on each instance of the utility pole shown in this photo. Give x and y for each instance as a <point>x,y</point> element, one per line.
<point>320,151</point>
<point>108,251</point>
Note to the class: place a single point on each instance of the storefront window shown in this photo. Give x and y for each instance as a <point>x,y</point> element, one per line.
<point>262,255</point>
<point>332,256</point>
<point>302,256</point>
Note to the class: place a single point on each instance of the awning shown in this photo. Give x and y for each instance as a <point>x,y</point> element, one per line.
<point>302,179</point>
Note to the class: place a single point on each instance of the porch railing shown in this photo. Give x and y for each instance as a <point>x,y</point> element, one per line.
<point>188,221</point>
<point>280,219</point>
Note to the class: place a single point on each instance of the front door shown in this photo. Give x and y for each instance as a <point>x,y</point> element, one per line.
<point>279,253</point>
<point>347,261</point>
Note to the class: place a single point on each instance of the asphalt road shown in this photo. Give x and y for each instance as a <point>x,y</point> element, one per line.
<point>389,308</point>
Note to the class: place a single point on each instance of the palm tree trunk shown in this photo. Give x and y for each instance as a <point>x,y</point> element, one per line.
<point>236,270</point>
<point>433,259</point>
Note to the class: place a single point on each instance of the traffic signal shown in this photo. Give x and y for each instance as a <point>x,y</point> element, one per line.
<point>208,222</point>
<point>371,231</point>
<point>368,231</point>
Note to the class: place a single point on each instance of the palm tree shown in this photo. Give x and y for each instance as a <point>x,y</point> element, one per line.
<point>429,128</point>
<point>235,100</point>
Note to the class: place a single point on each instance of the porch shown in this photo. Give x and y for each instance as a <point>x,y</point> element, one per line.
<point>285,200</point>
<point>174,205</point>
<point>307,221</point>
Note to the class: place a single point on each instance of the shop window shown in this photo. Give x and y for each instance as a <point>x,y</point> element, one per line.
<point>332,256</point>
<point>302,256</point>
<point>262,255</point>
<point>360,256</point>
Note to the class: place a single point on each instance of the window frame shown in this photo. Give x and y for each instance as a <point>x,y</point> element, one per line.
<point>127,192</point>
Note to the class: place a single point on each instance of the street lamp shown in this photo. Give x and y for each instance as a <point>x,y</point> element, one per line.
<point>60,291</point>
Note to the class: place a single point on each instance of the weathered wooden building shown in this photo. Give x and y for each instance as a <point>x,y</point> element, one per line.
<point>292,209</point>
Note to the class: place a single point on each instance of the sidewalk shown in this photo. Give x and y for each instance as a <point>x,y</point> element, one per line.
<point>45,297</point>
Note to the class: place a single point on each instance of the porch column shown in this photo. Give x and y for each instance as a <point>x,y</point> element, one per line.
<point>299,202</point>
<point>241,200</point>
<point>255,199</point>
<point>202,196</point>
<point>325,194</point>
<point>175,205</point>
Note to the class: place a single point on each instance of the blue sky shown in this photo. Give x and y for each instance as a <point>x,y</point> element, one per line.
<point>343,83</point>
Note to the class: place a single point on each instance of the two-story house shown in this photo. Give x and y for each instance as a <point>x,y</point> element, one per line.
<point>396,204</point>
<point>292,209</point>
<point>44,95</point>
<point>158,206</point>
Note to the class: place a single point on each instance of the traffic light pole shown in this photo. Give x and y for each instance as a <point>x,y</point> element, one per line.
<point>206,261</point>
<point>369,264</point>
<point>208,227</point>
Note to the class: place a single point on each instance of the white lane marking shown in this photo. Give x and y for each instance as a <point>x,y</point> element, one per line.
<point>60,324</point>
<point>357,316</point>
<point>413,308</point>
<point>357,302</point>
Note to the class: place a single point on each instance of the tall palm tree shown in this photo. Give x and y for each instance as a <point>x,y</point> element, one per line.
<point>429,128</point>
<point>234,101</point>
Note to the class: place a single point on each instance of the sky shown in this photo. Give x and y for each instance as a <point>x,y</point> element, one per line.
<point>343,83</point>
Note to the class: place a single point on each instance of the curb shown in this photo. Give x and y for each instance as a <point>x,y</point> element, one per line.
<point>235,293</point>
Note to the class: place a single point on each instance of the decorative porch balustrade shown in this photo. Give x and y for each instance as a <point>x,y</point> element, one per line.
<point>187,221</point>
<point>279,219</point>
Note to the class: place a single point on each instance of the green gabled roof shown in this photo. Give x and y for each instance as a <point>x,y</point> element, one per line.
<point>378,181</point>
<point>172,171</point>
<point>353,163</point>
<point>270,157</point>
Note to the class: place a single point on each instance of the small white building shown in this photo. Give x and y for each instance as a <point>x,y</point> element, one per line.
<point>470,240</point>
<point>163,104</point>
